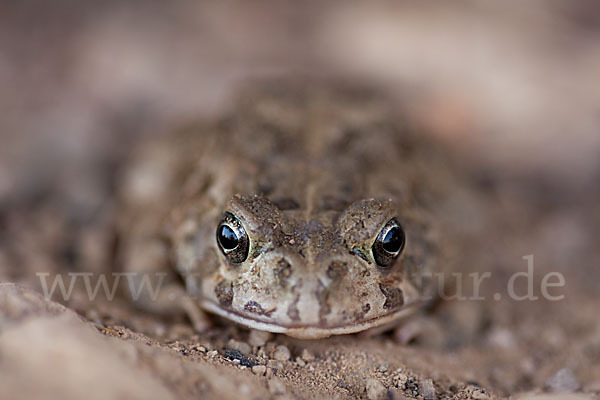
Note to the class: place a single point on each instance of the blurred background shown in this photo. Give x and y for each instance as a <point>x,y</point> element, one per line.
<point>512,86</point>
<point>512,83</point>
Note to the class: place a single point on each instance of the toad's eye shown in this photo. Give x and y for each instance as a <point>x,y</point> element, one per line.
<point>389,243</point>
<point>232,239</point>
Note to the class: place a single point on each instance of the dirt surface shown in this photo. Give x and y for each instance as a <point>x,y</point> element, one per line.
<point>508,88</point>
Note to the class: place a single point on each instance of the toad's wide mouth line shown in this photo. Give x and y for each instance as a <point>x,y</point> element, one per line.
<point>310,331</point>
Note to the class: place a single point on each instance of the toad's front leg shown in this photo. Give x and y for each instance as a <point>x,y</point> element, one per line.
<point>154,285</point>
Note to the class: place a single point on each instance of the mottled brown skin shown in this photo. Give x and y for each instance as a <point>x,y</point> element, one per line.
<point>313,174</point>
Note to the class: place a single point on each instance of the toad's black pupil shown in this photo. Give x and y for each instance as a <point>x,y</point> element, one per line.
<point>393,240</point>
<point>228,238</point>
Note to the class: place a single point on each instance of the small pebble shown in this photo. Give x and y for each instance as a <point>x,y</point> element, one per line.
<point>502,338</point>
<point>212,353</point>
<point>399,379</point>
<point>281,353</point>
<point>478,394</point>
<point>555,396</point>
<point>259,370</point>
<point>375,390</point>
<point>159,330</point>
<point>258,338</point>
<point>207,346</point>
<point>562,381</point>
<point>300,362</point>
<point>307,356</point>
<point>241,346</point>
<point>201,349</point>
<point>276,386</point>
<point>274,364</point>
<point>396,394</point>
<point>427,389</point>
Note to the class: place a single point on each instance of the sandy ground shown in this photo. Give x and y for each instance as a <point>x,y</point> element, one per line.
<point>509,88</point>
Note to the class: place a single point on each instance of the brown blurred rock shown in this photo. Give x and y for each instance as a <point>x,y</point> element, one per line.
<point>48,351</point>
<point>18,303</point>
<point>66,357</point>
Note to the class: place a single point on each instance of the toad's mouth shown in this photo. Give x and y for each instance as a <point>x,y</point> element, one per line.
<point>300,331</point>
